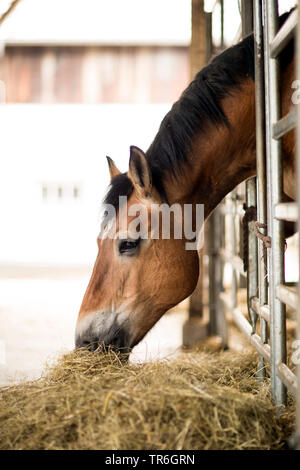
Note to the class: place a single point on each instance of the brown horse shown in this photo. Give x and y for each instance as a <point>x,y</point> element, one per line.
<point>204,148</point>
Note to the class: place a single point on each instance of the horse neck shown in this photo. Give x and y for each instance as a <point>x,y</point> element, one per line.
<point>220,158</point>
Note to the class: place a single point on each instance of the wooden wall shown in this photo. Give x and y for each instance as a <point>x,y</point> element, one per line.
<point>94,74</point>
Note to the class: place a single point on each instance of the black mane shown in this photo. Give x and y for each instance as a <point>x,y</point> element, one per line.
<point>121,185</point>
<point>198,105</point>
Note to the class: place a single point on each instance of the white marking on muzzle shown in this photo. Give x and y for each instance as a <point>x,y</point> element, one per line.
<point>94,323</point>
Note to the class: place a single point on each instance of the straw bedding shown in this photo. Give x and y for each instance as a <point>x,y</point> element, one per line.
<point>200,400</point>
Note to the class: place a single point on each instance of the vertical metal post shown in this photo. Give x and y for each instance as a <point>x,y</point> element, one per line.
<point>252,272</point>
<point>222,24</point>
<point>261,169</point>
<point>247,17</point>
<point>210,228</point>
<point>222,325</point>
<point>194,328</point>
<point>232,234</point>
<point>212,249</point>
<point>217,319</point>
<point>274,187</point>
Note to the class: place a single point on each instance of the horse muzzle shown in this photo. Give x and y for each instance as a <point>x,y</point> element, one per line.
<point>98,333</point>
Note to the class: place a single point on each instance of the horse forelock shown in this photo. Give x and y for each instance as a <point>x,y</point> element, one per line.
<point>120,185</point>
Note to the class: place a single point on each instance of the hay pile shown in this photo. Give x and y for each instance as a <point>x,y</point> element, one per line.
<point>92,401</point>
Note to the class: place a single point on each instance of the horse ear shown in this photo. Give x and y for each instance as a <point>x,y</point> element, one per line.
<point>113,170</point>
<point>139,171</point>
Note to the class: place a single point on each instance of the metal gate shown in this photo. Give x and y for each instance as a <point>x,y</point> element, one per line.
<point>256,213</point>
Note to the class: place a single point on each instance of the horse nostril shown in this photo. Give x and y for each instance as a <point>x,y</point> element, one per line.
<point>120,343</point>
<point>88,344</point>
<point>117,341</point>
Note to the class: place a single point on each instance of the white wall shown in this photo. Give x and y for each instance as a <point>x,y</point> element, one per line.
<point>62,145</point>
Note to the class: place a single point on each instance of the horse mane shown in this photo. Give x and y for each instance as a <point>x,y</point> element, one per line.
<point>120,185</point>
<point>199,104</point>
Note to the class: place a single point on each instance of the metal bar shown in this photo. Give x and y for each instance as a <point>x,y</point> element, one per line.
<point>284,125</point>
<point>221,323</point>
<point>212,287</point>
<point>245,327</point>
<point>234,260</point>
<point>250,191</point>
<point>288,377</point>
<point>247,17</point>
<point>287,211</point>
<point>287,295</point>
<point>222,23</point>
<point>262,310</point>
<point>224,297</point>
<point>283,371</point>
<point>252,272</point>
<point>275,227</point>
<point>232,234</point>
<point>260,173</point>
<point>217,320</point>
<point>282,38</point>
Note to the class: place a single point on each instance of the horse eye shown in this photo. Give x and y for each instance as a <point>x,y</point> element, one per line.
<point>128,246</point>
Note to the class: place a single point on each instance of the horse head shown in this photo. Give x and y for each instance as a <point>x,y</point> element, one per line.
<point>138,274</point>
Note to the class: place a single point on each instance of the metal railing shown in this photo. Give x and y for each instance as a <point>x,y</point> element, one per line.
<point>267,292</point>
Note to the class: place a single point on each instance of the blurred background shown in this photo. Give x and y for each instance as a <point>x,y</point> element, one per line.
<point>83,79</point>
<point>80,79</point>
